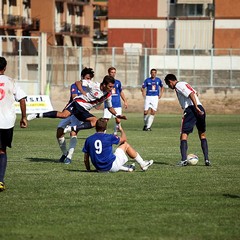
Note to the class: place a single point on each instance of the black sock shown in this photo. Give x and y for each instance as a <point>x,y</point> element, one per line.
<point>204,146</point>
<point>183,149</point>
<point>85,125</point>
<point>3,166</point>
<point>51,114</point>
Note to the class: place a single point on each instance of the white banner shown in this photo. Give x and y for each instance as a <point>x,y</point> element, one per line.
<point>36,104</point>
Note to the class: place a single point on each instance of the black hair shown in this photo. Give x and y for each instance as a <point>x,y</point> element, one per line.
<point>3,63</point>
<point>170,77</point>
<point>108,79</point>
<point>86,71</point>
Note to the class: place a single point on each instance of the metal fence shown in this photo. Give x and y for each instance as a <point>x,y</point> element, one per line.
<point>36,68</point>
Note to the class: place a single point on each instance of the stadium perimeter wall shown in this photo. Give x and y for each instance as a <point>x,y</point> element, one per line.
<point>215,100</point>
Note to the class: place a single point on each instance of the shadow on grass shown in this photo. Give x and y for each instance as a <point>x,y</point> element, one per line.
<point>43,160</point>
<point>163,163</point>
<point>227,195</point>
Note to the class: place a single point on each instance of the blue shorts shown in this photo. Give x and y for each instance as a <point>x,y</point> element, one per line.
<point>78,111</point>
<point>191,118</point>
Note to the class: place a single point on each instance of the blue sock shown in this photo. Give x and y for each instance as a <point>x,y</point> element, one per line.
<point>3,166</point>
<point>183,149</point>
<point>204,146</point>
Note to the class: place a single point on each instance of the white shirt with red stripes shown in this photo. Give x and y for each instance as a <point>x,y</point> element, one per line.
<point>183,90</point>
<point>94,96</point>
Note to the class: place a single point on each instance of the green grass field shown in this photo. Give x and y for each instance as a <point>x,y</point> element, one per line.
<point>48,200</point>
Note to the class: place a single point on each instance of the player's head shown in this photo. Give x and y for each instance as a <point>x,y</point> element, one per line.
<point>170,80</point>
<point>87,73</point>
<point>107,84</point>
<point>153,72</point>
<point>3,63</point>
<point>101,125</point>
<point>112,71</point>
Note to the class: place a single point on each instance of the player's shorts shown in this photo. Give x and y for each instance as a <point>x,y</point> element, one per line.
<point>191,118</point>
<point>69,121</point>
<point>121,159</point>
<point>151,102</point>
<point>78,111</point>
<point>108,115</point>
<point>6,137</point>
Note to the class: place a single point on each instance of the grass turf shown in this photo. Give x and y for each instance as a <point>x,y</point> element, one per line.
<point>48,200</point>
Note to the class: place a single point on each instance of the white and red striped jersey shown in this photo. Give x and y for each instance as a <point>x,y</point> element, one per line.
<point>183,89</point>
<point>94,96</point>
<point>9,93</point>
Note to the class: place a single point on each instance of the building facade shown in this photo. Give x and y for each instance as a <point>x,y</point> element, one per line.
<point>184,24</point>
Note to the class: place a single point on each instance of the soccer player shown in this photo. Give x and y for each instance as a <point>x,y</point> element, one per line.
<point>152,90</point>
<point>117,95</point>
<point>98,147</point>
<point>96,94</point>
<point>9,93</point>
<point>194,114</point>
<point>71,121</point>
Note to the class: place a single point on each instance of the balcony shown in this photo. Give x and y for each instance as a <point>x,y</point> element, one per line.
<point>18,22</point>
<point>72,29</point>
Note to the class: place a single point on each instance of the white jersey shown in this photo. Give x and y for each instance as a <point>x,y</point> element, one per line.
<point>183,89</point>
<point>9,93</point>
<point>94,96</point>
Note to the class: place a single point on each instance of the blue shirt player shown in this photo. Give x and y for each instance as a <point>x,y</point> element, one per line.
<point>152,90</point>
<point>117,95</point>
<point>98,147</point>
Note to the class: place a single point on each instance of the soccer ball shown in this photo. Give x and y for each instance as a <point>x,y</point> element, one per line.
<point>192,159</point>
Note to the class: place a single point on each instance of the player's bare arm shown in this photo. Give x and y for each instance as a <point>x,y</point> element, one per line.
<point>113,112</point>
<point>143,92</point>
<point>86,161</point>
<point>79,86</point>
<point>23,121</point>
<point>123,136</point>
<point>124,99</point>
<point>192,97</point>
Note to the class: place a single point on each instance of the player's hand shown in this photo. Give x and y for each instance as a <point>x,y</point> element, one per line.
<point>23,122</point>
<point>121,117</point>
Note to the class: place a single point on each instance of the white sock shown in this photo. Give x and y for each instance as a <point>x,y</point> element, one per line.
<point>72,145</point>
<point>116,127</point>
<point>139,159</point>
<point>150,121</point>
<point>62,145</point>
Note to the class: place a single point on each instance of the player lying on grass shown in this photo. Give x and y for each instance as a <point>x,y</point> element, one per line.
<point>96,94</point>
<point>98,147</point>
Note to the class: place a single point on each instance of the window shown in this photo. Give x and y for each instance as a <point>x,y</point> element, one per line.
<point>195,9</point>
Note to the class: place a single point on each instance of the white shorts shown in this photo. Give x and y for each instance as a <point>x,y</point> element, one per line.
<point>151,102</point>
<point>121,159</point>
<point>69,121</point>
<point>108,115</point>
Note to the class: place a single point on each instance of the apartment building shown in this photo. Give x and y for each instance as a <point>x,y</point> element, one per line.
<point>184,24</point>
<point>227,24</point>
<point>66,22</point>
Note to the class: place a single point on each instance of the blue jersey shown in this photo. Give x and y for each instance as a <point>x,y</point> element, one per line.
<point>152,86</point>
<point>116,91</point>
<point>99,148</point>
<point>75,90</point>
